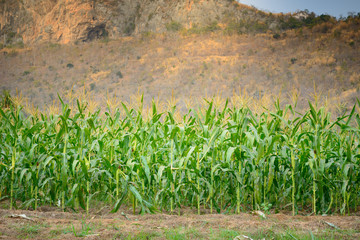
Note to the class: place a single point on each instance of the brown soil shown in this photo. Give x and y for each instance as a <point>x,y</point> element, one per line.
<point>50,223</point>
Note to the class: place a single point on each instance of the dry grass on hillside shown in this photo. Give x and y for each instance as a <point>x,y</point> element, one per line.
<point>196,65</point>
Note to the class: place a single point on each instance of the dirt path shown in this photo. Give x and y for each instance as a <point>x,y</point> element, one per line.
<point>53,224</point>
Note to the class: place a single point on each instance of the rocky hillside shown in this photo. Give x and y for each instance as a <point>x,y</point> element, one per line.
<point>178,49</point>
<point>67,21</point>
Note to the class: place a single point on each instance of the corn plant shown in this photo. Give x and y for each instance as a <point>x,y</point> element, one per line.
<point>224,159</point>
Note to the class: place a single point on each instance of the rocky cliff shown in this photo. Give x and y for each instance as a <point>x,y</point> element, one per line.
<point>67,21</point>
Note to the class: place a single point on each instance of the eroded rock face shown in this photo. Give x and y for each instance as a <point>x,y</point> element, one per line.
<point>154,15</point>
<point>66,21</point>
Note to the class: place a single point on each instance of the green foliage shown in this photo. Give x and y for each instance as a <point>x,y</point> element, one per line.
<point>276,36</point>
<point>212,27</point>
<point>130,28</point>
<point>257,26</point>
<point>11,35</point>
<point>92,86</point>
<point>337,33</point>
<point>5,100</point>
<point>224,159</point>
<point>70,65</point>
<point>86,229</point>
<point>119,74</point>
<point>18,44</point>
<point>54,45</point>
<point>227,234</point>
<point>173,26</point>
<point>291,23</point>
<point>233,27</point>
<point>105,39</point>
<point>246,26</point>
<point>310,20</point>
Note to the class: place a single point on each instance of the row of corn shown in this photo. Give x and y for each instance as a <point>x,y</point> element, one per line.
<point>222,159</point>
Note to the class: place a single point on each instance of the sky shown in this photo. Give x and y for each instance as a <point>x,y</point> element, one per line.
<point>333,7</point>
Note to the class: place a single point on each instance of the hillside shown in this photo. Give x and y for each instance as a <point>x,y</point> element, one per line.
<point>71,20</point>
<point>176,49</point>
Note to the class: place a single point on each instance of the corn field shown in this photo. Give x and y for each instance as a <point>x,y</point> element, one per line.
<point>222,159</point>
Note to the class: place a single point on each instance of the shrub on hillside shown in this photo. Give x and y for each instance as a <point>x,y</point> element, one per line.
<point>233,27</point>
<point>119,74</point>
<point>337,33</point>
<point>311,20</point>
<point>196,29</point>
<point>258,27</point>
<point>323,27</point>
<point>173,26</point>
<point>26,73</point>
<point>276,36</point>
<point>70,65</point>
<point>290,23</point>
<point>212,27</point>
<point>246,26</point>
<point>92,86</point>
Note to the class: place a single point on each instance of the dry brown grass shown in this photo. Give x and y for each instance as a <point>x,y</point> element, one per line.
<point>163,66</point>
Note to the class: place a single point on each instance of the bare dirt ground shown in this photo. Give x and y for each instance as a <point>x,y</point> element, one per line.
<point>51,223</point>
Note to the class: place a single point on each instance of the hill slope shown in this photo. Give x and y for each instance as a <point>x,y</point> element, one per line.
<point>196,65</point>
<point>66,21</point>
<point>175,48</point>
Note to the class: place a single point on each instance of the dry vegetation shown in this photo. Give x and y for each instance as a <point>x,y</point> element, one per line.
<point>49,223</point>
<point>322,59</point>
